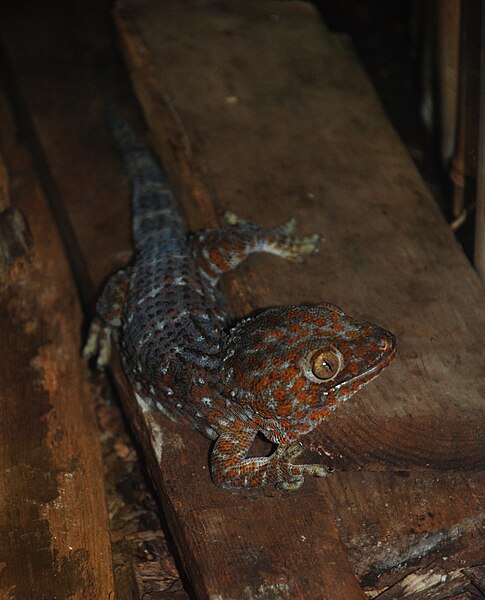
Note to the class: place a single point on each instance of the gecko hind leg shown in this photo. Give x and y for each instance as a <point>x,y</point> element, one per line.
<point>104,327</point>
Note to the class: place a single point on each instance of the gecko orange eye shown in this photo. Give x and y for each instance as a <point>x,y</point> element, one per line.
<point>325,364</point>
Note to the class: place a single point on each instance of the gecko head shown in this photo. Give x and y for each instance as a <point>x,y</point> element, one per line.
<point>288,367</point>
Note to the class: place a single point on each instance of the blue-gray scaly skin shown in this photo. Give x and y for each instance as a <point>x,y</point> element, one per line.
<point>280,373</point>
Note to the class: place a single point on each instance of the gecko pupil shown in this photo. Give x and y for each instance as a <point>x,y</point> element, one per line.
<point>326,364</point>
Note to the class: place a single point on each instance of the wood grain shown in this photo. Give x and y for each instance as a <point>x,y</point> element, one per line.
<point>54,536</point>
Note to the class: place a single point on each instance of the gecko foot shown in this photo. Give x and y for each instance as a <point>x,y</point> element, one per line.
<point>292,475</point>
<point>99,343</point>
<point>294,249</point>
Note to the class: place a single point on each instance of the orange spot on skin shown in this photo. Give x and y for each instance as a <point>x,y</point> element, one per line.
<point>320,322</point>
<point>292,357</point>
<point>303,397</point>
<point>318,415</point>
<point>298,385</point>
<point>290,373</point>
<point>261,384</point>
<point>276,334</point>
<point>354,369</point>
<point>279,394</point>
<point>216,258</point>
<point>231,461</point>
<point>232,473</point>
<point>284,410</point>
<point>261,408</point>
<point>301,427</point>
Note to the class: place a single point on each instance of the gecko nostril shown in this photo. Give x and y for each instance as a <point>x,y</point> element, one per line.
<point>385,344</point>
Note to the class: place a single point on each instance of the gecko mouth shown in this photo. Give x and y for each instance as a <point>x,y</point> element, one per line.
<point>368,375</point>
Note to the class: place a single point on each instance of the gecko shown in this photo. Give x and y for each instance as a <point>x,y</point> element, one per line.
<point>278,373</point>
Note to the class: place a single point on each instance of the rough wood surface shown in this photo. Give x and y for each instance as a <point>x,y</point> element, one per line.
<point>61,83</point>
<point>393,523</point>
<point>54,536</point>
<point>263,563</point>
<point>433,583</point>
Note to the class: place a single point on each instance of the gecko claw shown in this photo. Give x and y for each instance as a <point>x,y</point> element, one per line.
<point>293,475</point>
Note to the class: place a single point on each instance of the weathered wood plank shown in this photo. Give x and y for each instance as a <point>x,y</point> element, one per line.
<point>272,131</point>
<point>257,567</point>
<point>63,80</point>
<point>283,119</point>
<point>391,523</point>
<point>433,583</point>
<point>54,536</point>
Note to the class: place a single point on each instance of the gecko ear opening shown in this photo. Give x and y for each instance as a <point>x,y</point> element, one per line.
<point>333,307</point>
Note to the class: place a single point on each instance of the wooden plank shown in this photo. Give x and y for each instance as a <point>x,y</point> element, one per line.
<point>287,121</point>
<point>434,583</point>
<point>62,104</point>
<point>479,251</point>
<point>54,536</point>
<point>231,144</point>
<point>259,567</point>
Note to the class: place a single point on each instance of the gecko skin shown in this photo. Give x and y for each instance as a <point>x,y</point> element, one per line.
<point>280,372</point>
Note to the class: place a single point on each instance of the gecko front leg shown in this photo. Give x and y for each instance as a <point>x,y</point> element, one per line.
<point>222,249</point>
<point>231,468</point>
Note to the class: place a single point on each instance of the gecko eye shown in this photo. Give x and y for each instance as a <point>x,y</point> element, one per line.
<point>325,364</point>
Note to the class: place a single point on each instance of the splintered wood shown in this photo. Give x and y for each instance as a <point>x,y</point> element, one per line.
<point>252,107</point>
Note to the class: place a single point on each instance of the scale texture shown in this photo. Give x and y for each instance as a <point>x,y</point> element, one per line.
<point>279,373</point>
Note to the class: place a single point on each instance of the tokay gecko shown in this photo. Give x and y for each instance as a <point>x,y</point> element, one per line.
<point>279,373</point>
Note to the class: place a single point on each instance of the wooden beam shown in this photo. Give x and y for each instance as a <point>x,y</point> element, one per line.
<point>479,254</point>
<point>285,124</point>
<point>54,535</point>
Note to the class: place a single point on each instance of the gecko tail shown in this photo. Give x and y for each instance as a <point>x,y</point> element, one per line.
<point>156,213</point>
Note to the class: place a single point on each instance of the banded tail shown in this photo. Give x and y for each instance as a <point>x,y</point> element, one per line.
<point>156,213</point>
